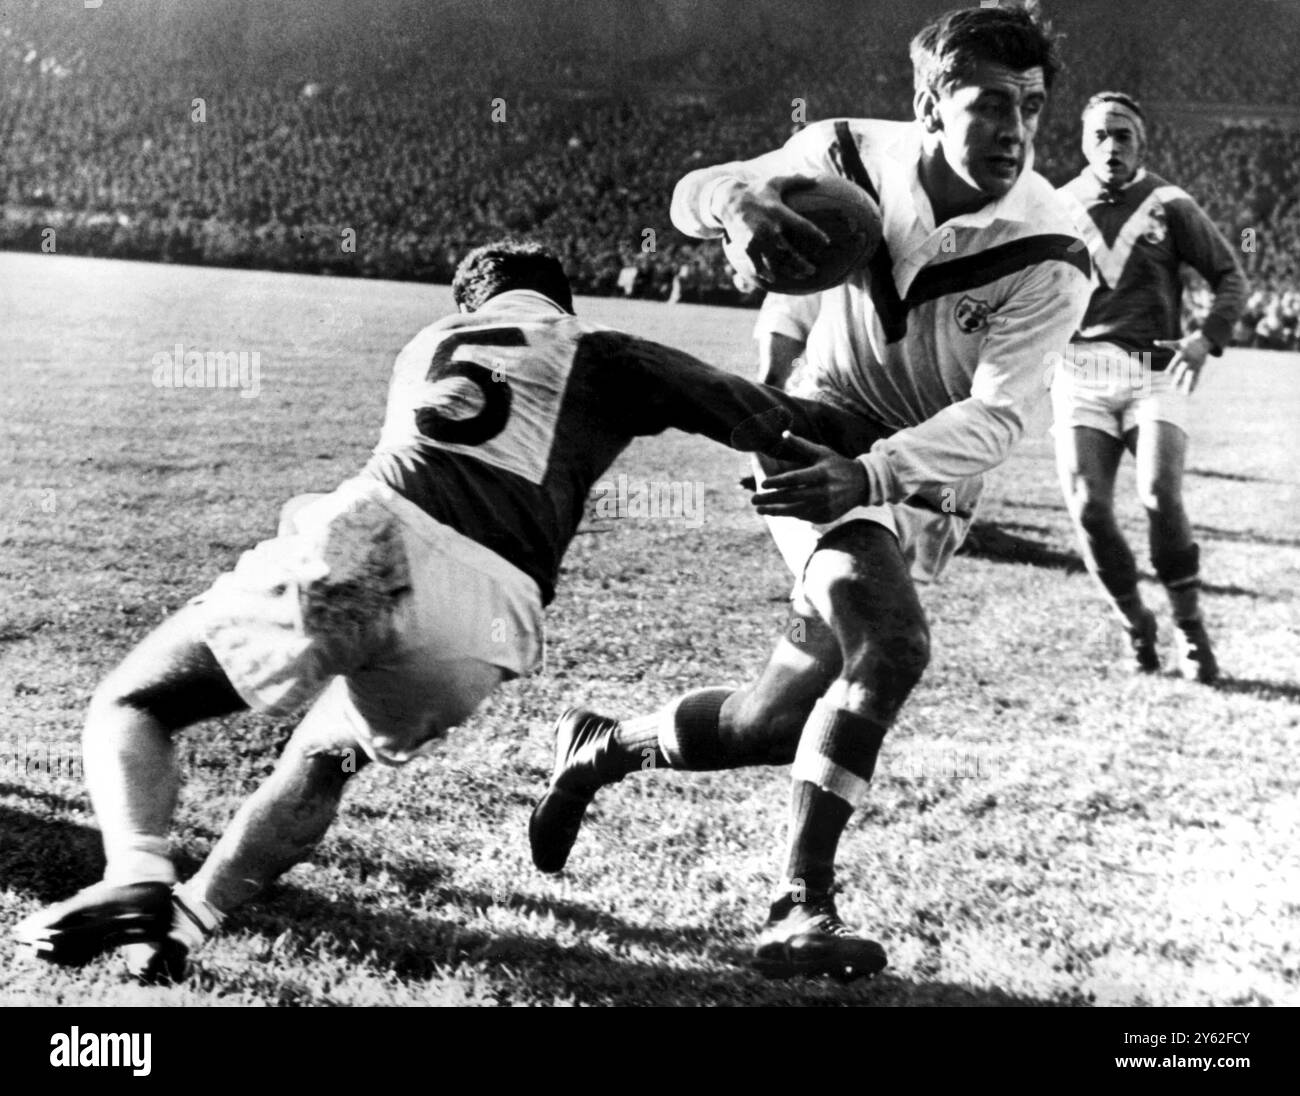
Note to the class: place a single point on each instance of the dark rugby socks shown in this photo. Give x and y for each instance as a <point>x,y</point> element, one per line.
<point>634,745</point>
<point>689,733</point>
<point>832,770</point>
<point>1180,572</point>
<point>817,818</point>
<point>683,735</point>
<point>1119,579</point>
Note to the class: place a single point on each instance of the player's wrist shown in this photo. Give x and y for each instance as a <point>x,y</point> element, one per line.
<point>873,490</point>
<point>1212,345</point>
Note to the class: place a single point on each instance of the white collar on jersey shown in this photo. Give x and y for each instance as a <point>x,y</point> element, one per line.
<point>526,299</point>
<point>909,222</point>
<point>1138,176</point>
<point>1012,206</point>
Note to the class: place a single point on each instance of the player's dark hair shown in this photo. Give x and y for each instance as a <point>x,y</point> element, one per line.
<point>947,50</point>
<point>502,265</point>
<point>1115,97</point>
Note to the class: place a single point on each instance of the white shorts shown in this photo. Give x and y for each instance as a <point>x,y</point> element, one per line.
<point>929,527</point>
<point>929,531</point>
<point>1105,387</point>
<point>415,622</point>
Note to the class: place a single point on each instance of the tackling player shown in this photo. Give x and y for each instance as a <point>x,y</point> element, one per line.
<point>980,277</point>
<point>398,601</point>
<point>1127,379</point>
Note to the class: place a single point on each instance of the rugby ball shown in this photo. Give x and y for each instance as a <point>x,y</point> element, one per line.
<point>842,210</point>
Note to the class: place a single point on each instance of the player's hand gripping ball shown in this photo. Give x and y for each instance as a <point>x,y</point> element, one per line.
<point>843,211</point>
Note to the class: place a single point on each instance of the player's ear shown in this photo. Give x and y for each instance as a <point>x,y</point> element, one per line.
<point>926,105</point>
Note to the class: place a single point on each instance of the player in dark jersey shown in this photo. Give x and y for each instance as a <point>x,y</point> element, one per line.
<point>1128,376</point>
<point>398,601</point>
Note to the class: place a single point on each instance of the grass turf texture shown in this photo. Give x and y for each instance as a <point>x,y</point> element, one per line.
<point>1043,827</point>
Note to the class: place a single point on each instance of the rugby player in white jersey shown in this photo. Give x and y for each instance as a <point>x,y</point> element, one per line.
<point>781,334</point>
<point>397,602</point>
<point>1127,381</point>
<point>981,276</point>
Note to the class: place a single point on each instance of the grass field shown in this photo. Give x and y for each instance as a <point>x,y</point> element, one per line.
<point>1043,829</point>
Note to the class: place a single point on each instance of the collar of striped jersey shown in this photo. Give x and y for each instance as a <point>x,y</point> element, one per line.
<point>516,300</point>
<point>1113,194</point>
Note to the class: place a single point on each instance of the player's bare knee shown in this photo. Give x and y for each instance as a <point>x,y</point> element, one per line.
<point>1094,512</point>
<point>1159,496</point>
<point>116,697</point>
<point>890,663</point>
<point>329,767</point>
<point>107,698</point>
<point>836,578</point>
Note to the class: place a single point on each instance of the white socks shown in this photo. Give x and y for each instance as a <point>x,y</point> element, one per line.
<point>138,858</point>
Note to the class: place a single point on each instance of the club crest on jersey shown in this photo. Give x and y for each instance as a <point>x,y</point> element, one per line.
<point>1157,224</point>
<point>972,314</point>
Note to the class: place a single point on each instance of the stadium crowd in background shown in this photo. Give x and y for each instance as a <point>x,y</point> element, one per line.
<point>354,153</point>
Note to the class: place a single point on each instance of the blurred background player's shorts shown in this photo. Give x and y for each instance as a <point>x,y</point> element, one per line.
<point>416,622</point>
<point>1107,388</point>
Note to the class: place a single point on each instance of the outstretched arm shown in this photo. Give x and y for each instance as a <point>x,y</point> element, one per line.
<point>646,388</point>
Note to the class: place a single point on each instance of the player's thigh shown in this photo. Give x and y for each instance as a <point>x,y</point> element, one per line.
<point>859,581</point>
<point>173,675</point>
<point>399,709</point>
<point>1160,456</point>
<point>1088,461</point>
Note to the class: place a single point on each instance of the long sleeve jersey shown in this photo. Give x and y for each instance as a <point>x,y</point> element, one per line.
<point>948,336</point>
<point>500,421</point>
<point>1138,235</point>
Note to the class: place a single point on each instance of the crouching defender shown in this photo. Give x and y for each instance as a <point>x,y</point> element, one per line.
<point>397,602</point>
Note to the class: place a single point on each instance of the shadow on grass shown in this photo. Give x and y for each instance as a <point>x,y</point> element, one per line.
<point>542,969</point>
<point>1246,536</point>
<point>53,800</point>
<point>1261,690</point>
<point>49,859</point>
<point>1003,543</point>
<point>1235,477</point>
<point>1232,590</point>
